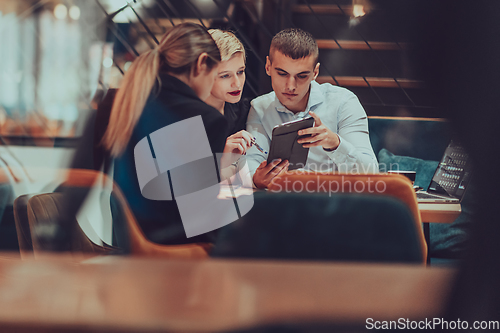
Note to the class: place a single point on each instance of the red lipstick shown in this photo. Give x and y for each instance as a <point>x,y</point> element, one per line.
<point>235,93</point>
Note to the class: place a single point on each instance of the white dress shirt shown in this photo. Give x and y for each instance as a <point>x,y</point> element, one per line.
<point>339,110</point>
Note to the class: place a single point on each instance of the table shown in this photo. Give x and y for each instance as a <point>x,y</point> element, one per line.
<point>123,294</point>
<point>437,213</point>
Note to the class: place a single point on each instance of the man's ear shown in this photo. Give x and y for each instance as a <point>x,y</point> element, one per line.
<point>268,66</point>
<point>201,64</point>
<point>316,71</point>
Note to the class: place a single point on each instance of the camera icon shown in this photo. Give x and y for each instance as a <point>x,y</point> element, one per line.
<point>177,163</point>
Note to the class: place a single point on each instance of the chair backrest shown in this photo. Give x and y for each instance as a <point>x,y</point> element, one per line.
<point>395,186</point>
<point>132,238</point>
<point>8,233</point>
<point>317,226</point>
<point>20,208</point>
<point>44,210</point>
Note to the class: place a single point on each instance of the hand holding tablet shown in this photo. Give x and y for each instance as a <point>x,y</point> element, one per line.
<point>319,135</point>
<point>284,144</point>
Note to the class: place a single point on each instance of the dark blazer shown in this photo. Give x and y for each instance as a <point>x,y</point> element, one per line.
<point>169,102</point>
<point>236,115</point>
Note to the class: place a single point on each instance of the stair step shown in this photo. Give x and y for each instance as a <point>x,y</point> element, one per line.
<point>323,9</point>
<point>377,82</point>
<point>376,63</point>
<point>372,27</point>
<point>360,45</point>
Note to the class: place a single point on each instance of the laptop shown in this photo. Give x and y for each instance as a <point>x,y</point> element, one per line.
<point>451,177</point>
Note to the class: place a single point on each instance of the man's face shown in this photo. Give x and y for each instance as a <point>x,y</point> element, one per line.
<point>291,79</point>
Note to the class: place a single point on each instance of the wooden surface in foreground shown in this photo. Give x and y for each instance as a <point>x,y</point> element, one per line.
<point>120,294</point>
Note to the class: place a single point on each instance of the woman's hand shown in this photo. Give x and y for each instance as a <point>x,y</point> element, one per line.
<point>238,143</point>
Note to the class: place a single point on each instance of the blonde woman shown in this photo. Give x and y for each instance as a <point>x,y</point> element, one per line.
<point>226,92</point>
<point>161,87</point>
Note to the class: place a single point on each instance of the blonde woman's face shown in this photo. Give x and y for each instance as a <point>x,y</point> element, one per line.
<point>230,79</point>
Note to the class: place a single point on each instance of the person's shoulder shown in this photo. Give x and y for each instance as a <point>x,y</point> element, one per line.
<point>335,94</point>
<point>328,88</point>
<point>189,104</point>
<point>209,113</point>
<point>172,104</point>
<point>263,103</point>
<point>240,108</point>
<point>205,108</point>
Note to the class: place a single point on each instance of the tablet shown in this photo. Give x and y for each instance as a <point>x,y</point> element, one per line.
<point>284,143</point>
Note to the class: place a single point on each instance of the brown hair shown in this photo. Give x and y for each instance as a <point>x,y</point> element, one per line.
<point>177,53</point>
<point>227,43</point>
<point>294,43</point>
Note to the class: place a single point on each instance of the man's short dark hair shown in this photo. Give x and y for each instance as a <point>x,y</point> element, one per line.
<point>294,43</point>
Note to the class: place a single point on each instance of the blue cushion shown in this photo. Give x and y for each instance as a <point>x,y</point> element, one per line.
<point>447,240</point>
<point>424,169</point>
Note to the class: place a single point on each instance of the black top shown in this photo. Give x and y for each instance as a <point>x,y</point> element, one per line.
<point>100,125</point>
<point>175,101</point>
<point>236,115</point>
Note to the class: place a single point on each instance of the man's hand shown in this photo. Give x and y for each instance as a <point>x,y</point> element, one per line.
<point>320,135</point>
<point>265,173</point>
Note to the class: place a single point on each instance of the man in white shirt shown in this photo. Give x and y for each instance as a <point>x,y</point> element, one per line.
<point>339,139</point>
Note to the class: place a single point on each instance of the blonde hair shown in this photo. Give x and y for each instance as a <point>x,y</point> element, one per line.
<point>177,53</point>
<point>227,43</point>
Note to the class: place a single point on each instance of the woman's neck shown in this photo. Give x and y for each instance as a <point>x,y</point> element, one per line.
<point>183,77</point>
<point>216,103</point>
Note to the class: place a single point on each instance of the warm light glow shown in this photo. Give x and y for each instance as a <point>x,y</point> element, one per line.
<point>107,62</point>
<point>358,10</point>
<point>74,12</point>
<point>60,11</point>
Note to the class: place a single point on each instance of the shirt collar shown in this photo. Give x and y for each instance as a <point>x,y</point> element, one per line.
<point>315,98</point>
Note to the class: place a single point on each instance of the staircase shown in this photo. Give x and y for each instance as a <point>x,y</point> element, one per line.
<point>364,55</point>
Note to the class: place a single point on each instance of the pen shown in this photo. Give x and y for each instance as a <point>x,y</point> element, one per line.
<point>258,147</point>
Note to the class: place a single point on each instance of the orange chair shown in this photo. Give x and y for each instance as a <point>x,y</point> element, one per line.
<point>139,245</point>
<point>396,186</point>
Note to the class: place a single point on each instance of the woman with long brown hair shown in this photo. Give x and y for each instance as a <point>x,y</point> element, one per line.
<point>162,87</point>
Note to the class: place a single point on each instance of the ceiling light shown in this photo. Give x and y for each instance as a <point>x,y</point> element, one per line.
<point>74,12</point>
<point>60,11</point>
